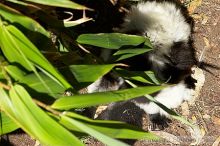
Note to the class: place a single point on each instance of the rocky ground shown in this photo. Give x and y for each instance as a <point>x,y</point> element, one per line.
<point>205,110</point>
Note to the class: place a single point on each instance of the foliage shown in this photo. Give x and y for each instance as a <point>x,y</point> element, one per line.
<point>32,88</point>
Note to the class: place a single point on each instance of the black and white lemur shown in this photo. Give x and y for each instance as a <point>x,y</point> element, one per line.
<point>172,58</point>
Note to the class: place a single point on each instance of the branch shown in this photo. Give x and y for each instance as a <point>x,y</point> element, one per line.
<point>48,108</point>
<point>5,86</point>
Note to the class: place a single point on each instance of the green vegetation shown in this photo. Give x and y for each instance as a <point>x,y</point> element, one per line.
<point>32,88</point>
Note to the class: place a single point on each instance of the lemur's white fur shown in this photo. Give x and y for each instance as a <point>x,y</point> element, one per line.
<point>171,97</point>
<point>162,22</point>
<point>94,87</point>
<point>98,87</point>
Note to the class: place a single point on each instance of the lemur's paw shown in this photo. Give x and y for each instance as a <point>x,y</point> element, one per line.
<point>158,122</point>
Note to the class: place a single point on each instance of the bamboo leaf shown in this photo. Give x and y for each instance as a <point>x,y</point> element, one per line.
<point>7,125</point>
<point>14,16</point>
<point>33,120</point>
<point>33,82</point>
<point>113,129</point>
<point>15,41</point>
<point>1,74</point>
<point>8,45</point>
<point>141,76</point>
<point>90,73</point>
<point>60,3</point>
<point>83,127</point>
<point>127,53</point>
<point>15,72</point>
<point>86,100</point>
<point>110,40</point>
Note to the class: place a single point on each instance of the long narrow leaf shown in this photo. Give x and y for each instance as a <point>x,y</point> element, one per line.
<point>14,16</point>
<point>127,53</point>
<point>7,125</point>
<point>141,76</point>
<point>110,40</point>
<point>34,121</point>
<point>83,127</point>
<point>86,100</point>
<point>15,72</point>
<point>59,3</point>
<point>33,82</point>
<point>113,129</point>
<point>15,40</point>
<point>8,46</point>
<point>90,73</point>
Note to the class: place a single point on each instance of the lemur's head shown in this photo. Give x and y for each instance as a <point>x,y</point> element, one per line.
<point>174,66</point>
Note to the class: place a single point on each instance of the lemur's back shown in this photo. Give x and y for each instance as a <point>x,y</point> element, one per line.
<point>163,22</point>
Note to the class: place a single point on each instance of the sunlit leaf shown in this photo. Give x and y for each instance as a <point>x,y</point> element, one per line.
<point>90,73</point>
<point>110,40</point>
<point>59,3</point>
<point>7,125</point>
<point>14,16</point>
<point>86,100</point>
<point>83,127</point>
<point>25,52</point>
<point>33,120</point>
<point>8,45</point>
<point>33,82</point>
<point>15,72</point>
<point>113,129</point>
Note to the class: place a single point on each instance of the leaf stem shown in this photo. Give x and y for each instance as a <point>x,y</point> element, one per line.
<point>48,108</point>
<point>5,86</point>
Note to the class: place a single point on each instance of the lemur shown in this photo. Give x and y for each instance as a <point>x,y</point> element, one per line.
<point>167,26</point>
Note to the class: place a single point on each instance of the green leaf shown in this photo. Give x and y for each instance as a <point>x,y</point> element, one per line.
<point>33,82</point>
<point>98,135</point>
<point>141,76</point>
<point>9,45</point>
<point>59,3</point>
<point>15,72</point>
<point>1,74</point>
<point>7,125</point>
<point>152,77</point>
<point>86,100</point>
<point>110,40</point>
<point>148,43</point>
<point>127,53</point>
<point>33,120</point>
<point>113,129</point>
<point>14,16</point>
<point>90,73</point>
<point>24,52</point>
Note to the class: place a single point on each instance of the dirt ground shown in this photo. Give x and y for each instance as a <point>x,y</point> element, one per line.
<point>205,112</point>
